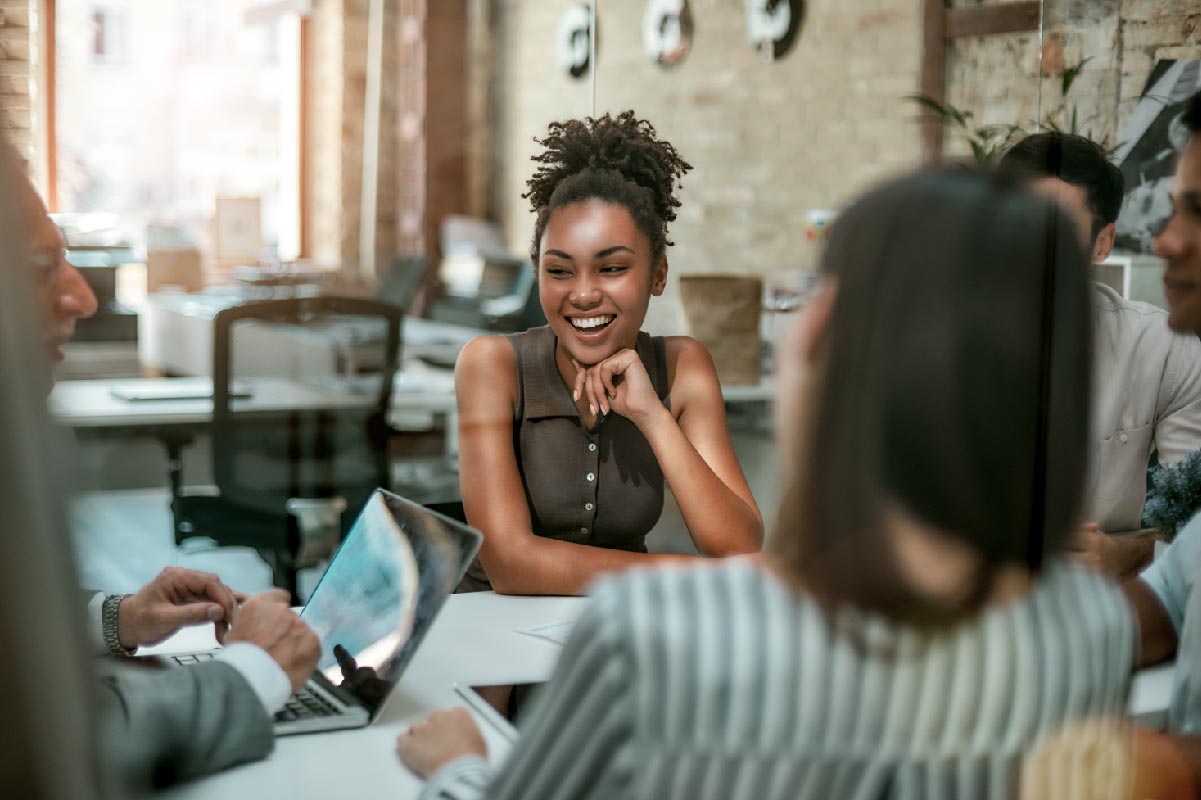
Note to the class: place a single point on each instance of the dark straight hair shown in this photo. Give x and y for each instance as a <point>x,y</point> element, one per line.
<point>954,386</point>
<point>1075,160</point>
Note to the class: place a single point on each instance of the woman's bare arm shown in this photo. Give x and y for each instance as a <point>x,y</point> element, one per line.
<point>693,447</point>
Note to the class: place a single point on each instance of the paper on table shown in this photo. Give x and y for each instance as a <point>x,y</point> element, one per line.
<point>557,632</point>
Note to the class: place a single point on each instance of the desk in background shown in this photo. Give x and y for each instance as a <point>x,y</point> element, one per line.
<point>121,437</point>
<point>175,335</point>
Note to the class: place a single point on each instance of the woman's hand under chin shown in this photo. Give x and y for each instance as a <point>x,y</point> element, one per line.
<point>445,736</point>
<point>619,383</point>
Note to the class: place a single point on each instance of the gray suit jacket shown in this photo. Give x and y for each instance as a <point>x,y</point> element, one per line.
<point>169,725</point>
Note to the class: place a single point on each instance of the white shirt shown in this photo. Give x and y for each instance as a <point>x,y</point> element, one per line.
<point>1147,396</point>
<point>1171,576</point>
<point>267,678</point>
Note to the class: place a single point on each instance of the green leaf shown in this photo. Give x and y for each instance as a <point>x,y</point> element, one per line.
<point>1071,73</point>
<point>945,111</point>
<point>982,155</point>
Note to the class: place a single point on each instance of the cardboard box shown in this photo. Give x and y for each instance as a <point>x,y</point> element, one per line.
<point>174,267</point>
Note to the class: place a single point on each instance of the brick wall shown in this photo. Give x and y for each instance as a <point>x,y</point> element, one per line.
<point>998,77</point>
<point>17,20</point>
<point>768,140</point>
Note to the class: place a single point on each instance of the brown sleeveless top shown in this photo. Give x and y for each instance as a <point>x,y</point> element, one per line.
<point>600,487</point>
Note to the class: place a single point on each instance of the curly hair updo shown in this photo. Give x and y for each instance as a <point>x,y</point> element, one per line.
<point>616,160</point>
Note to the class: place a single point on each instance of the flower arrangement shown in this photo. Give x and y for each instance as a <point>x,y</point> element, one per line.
<point>1173,495</point>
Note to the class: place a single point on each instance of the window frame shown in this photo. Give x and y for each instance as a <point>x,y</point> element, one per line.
<point>49,81</point>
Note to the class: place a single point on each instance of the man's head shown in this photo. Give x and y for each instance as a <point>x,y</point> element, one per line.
<point>1180,242</point>
<point>63,295</point>
<point>1076,173</point>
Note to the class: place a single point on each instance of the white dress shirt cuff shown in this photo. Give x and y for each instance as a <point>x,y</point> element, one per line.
<point>465,778</point>
<point>267,678</point>
<point>96,622</point>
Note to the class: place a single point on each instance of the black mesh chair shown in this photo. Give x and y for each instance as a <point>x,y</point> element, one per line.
<point>301,391</point>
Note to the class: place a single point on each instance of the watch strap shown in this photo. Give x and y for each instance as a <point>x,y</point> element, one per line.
<point>108,625</point>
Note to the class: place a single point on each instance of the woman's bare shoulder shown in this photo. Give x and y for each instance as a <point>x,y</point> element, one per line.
<point>689,365</point>
<point>487,369</point>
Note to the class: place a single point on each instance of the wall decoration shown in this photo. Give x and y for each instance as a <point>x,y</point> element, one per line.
<point>572,49</point>
<point>1151,142</point>
<point>773,25</point>
<point>667,31</point>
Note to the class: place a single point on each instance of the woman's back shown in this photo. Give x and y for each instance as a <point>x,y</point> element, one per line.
<point>724,682</point>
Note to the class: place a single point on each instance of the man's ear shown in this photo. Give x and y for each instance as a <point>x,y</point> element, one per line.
<point>659,277</point>
<point>1103,246</point>
<point>815,318</point>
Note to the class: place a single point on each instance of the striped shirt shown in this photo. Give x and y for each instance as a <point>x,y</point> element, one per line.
<point>720,681</point>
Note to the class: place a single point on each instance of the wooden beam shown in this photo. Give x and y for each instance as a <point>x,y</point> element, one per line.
<point>992,20</point>
<point>307,54</point>
<point>934,66</point>
<point>50,53</point>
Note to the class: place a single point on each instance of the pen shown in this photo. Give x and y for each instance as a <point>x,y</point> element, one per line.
<point>481,707</point>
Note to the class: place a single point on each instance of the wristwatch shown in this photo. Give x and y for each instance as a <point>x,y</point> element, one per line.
<point>108,625</point>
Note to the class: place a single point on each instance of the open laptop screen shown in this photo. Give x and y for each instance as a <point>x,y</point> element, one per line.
<point>382,590</point>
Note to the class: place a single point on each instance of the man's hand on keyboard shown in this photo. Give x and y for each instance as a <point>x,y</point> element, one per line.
<point>267,621</point>
<point>175,598</point>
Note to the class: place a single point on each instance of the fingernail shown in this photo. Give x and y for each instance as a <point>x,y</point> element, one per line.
<point>575,396</point>
<point>215,614</point>
<point>591,408</point>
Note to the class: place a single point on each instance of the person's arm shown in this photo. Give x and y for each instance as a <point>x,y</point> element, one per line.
<point>1159,595</point>
<point>1157,640</point>
<point>516,559</point>
<point>173,725</point>
<point>177,597</point>
<point>691,444</point>
<point>1165,765</point>
<point>576,742</point>
<point>1120,555</point>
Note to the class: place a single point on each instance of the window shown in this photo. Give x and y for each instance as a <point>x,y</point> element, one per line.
<point>194,104</point>
<point>108,33</point>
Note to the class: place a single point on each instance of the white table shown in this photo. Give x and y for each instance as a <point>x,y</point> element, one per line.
<point>1150,694</point>
<point>93,404</point>
<point>473,642</point>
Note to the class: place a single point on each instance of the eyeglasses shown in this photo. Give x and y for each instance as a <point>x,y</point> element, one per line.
<point>47,263</point>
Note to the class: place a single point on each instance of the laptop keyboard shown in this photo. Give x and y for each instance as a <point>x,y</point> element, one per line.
<point>304,705</point>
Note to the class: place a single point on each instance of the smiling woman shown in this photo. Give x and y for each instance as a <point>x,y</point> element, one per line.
<point>569,432</point>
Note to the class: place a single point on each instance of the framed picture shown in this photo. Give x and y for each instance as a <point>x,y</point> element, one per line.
<point>1150,144</point>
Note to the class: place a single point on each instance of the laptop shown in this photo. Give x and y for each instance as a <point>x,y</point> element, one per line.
<point>371,610</point>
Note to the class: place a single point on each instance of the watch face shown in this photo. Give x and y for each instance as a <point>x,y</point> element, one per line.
<point>667,31</point>
<point>773,25</point>
<point>572,45</point>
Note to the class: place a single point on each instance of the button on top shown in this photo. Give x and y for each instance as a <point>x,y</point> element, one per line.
<point>588,506</point>
<point>591,476</point>
<point>583,530</point>
<point>1123,437</point>
<point>592,447</point>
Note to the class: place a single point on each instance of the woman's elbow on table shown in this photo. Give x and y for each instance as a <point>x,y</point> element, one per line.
<point>737,539</point>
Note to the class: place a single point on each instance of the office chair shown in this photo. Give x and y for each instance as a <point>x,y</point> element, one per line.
<point>301,392</point>
<point>401,281</point>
